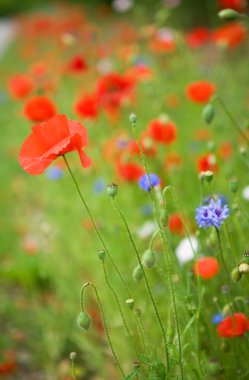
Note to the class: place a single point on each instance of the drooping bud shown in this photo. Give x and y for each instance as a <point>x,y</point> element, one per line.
<point>112,189</point>
<point>164,217</point>
<point>133,118</point>
<point>130,303</point>
<point>137,273</point>
<point>234,185</point>
<point>149,259</point>
<point>208,176</point>
<point>72,356</point>
<point>227,310</point>
<point>208,113</point>
<point>101,254</point>
<point>243,268</point>
<point>84,320</point>
<point>236,274</point>
<point>229,15</point>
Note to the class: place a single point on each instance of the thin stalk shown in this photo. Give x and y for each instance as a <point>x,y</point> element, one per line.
<point>119,212</point>
<point>96,228</point>
<point>104,322</point>
<point>73,369</point>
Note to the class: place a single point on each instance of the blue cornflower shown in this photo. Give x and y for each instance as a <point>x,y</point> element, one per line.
<point>212,215</point>
<point>99,186</point>
<point>146,182</point>
<point>54,173</point>
<point>217,318</point>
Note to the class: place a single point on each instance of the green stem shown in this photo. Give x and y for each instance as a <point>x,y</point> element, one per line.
<point>119,308</point>
<point>104,321</point>
<point>73,369</point>
<point>119,212</point>
<point>96,228</point>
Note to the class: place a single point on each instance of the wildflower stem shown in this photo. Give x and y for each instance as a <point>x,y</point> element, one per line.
<point>96,228</point>
<point>119,307</point>
<point>104,321</point>
<point>73,369</point>
<point>119,212</point>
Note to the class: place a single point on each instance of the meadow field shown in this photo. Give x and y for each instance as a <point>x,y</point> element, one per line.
<point>125,194</point>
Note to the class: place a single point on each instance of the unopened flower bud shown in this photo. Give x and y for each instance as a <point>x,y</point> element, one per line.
<point>236,274</point>
<point>213,368</point>
<point>101,254</point>
<point>133,118</point>
<point>227,310</point>
<point>84,320</point>
<point>208,176</point>
<point>208,113</point>
<point>137,273</point>
<point>228,15</point>
<point>234,185</point>
<point>149,259</point>
<point>130,303</point>
<point>72,356</point>
<point>112,189</point>
<point>243,268</point>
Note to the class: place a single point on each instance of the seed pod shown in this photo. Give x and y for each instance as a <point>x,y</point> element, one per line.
<point>112,189</point>
<point>101,254</point>
<point>130,303</point>
<point>208,176</point>
<point>84,320</point>
<point>149,259</point>
<point>228,15</point>
<point>137,273</point>
<point>208,113</point>
<point>234,185</point>
<point>133,118</point>
<point>236,274</point>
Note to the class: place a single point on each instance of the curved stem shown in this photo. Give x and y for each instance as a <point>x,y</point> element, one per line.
<point>104,321</point>
<point>96,228</point>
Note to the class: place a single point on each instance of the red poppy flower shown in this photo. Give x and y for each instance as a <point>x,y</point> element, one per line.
<point>130,171</point>
<point>175,224</point>
<point>162,132</point>
<point>206,267</point>
<point>200,91</point>
<point>77,64</point>
<point>234,325</point>
<point>225,150</point>
<point>173,160</point>
<point>39,108</point>
<point>207,162</point>
<point>51,139</point>
<point>147,145</point>
<point>87,106</point>
<point>197,37</point>
<point>230,35</point>
<point>238,5</point>
<point>20,86</point>
<point>8,366</point>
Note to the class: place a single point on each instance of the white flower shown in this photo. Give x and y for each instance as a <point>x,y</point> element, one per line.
<point>245,193</point>
<point>147,229</point>
<point>122,5</point>
<point>104,66</point>
<point>184,250</point>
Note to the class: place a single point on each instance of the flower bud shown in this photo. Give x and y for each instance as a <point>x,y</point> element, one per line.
<point>228,14</point>
<point>101,254</point>
<point>236,274</point>
<point>133,118</point>
<point>243,268</point>
<point>130,303</point>
<point>112,189</point>
<point>72,356</point>
<point>208,113</point>
<point>213,368</point>
<point>234,185</point>
<point>149,259</point>
<point>137,273</point>
<point>208,176</point>
<point>84,320</point>
<point>227,310</point>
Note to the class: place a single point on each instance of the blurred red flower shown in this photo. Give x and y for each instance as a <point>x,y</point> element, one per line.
<point>198,37</point>
<point>147,144</point>
<point>238,5</point>
<point>51,139</point>
<point>162,132</point>
<point>39,108</point>
<point>87,106</point>
<point>8,366</point>
<point>129,171</point>
<point>77,64</point>
<point>200,91</point>
<point>173,160</point>
<point>207,162</point>
<point>175,224</point>
<point>230,35</point>
<point>234,325</point>
<point>206,267</point>
<point>225,150</point>
<point>20,86</point>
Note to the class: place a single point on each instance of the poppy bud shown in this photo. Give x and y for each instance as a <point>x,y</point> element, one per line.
<point>228,15</point>
<point>244,268</point>
<point>164,217</point>
<point>227,310</point>
<point>101,254</point>
<point>236,274</point>
<point>137,274</point>
<point>130,303</point>
<point>213,368</point>
<point>133,118</point>
<point>112,189</point>
<point>234,185</point>
<point>72,356</point>
<point>149,259</point>
<point>208,176</point>
<point>208,113</point>
<point>84,320</point>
